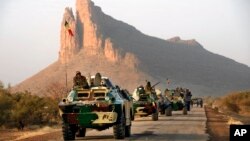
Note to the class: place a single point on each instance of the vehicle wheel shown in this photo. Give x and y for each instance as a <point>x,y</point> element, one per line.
<point>81,132</point>
<point>185,111</point>
<point>68,132</point>
<point>119,128</point>
<point>163,112</point>
<point>168,111</point>
<point>155,116</point>
<point>128,131</point>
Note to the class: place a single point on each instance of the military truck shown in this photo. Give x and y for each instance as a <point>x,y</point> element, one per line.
<point>99,107</point>
<point>177,102</point>
<point>145,103</point>
<point>198,102</point>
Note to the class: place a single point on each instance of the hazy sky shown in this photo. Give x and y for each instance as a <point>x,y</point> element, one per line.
<point>30,29</point>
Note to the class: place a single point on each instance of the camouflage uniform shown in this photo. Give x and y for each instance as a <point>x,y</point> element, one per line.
<point>80,80</point>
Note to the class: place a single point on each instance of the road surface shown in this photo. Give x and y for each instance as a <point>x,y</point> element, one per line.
<point>178,127</point>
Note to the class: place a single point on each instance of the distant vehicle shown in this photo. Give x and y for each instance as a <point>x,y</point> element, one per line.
<point>99,107</point>
<point>198,102</point>
<point>165,105</point>
<point>145,103</point>
<point>177,101</point>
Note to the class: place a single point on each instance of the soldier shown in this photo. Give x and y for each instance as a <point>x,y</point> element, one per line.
<point>141,90</point>
<point>188,97</point>
<point>148,87</point>
<point>80,80</point>
<point>98,79</point>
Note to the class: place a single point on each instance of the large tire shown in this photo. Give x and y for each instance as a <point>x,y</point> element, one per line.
<point>68,132</point>
<point>168,111</point>
<point>128,131</point>
<point>119,128</point>
<point>81,132</point>
<point>155,116</point>
<point>163,111</point>
<point>185,111</point>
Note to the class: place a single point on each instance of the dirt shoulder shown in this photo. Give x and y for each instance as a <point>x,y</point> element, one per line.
<point>42,134</point>
<point>217,126</point>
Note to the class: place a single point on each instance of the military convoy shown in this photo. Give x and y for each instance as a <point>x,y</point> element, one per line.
<point>99,107</point>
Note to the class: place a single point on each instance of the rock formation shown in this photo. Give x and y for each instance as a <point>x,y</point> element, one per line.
<point>177,39</point>
<point>129,57</point>
<point>70,45</point>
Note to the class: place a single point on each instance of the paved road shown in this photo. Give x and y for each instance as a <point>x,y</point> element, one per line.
<point>191,127</point>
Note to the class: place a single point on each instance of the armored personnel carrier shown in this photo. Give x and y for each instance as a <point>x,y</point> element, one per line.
<point>99,107</point>
<point>177,100</point>
<point>198,102</point>
<point>145,103</point>
<point>165,105</point>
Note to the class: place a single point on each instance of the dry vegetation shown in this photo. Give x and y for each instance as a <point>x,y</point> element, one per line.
<point>235,106</point>
<point>26,108</point>
<point>237,102</point>
<point>233,103</point>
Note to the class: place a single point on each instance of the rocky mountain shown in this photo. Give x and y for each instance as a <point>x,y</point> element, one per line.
<point>129,57</point>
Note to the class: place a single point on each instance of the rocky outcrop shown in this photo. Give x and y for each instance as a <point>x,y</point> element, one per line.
<point>86,34</point>
<point>177,39</point>
<point>110,53</point>
<point>70,45</point>
<point>91,40</point>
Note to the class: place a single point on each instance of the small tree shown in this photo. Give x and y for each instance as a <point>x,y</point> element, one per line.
<point>56,91</point>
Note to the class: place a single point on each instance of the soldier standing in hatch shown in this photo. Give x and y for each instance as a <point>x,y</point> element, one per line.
<point>98,79</point>
<point>80,80</point>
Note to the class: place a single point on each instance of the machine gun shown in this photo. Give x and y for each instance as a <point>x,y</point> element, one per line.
<point>156,84</point>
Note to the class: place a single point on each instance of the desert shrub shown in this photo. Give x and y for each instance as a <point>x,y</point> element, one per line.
<point>209,100</point>
<point>33,109</point>
<point>231,106</point>
<point>6,104</point>
<point>233,102</point>
<point>28,108</point>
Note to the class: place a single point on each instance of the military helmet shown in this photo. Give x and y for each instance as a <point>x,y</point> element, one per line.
<point>78,72</point>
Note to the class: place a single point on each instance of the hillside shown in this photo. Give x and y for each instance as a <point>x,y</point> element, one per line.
<point>129,57</point>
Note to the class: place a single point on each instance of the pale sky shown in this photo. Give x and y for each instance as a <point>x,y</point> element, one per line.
<point>30,29</point>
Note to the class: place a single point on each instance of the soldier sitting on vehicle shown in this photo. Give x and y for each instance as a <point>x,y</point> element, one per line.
<point>141,90</point>
<point>148,87</point>
<point>80,81</point>
<point>97,80</point>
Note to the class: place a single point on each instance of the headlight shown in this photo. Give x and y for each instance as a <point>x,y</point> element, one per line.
<point>107,98</point>
<point>70,99</point>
